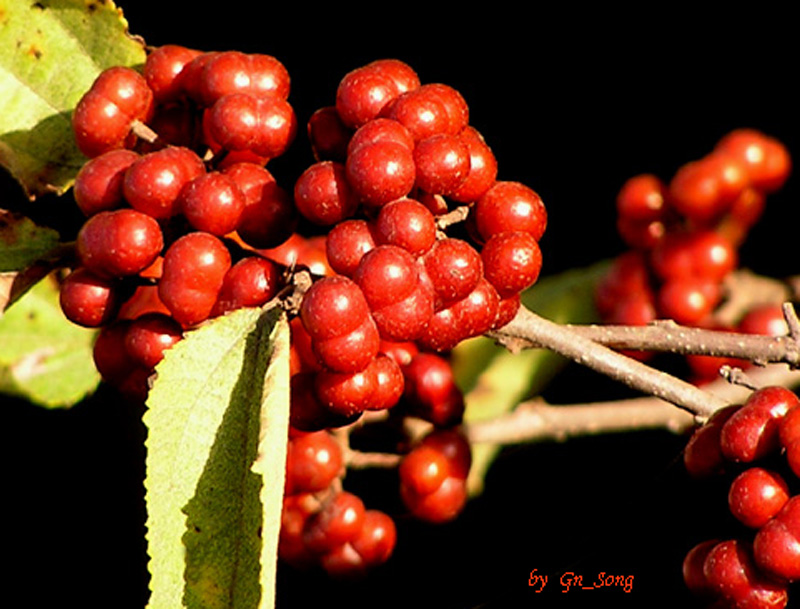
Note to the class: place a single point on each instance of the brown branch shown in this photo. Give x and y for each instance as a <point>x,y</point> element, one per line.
<point>528,329</point>
<point>536,421</point>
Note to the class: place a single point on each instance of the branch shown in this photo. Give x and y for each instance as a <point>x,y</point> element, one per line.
<point>528,329</point>
<point>536,421</point>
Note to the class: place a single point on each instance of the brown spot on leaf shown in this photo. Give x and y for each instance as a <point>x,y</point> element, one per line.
<point>35,51</point>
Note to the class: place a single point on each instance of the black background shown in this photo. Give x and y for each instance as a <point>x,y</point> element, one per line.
<point>572,105</point>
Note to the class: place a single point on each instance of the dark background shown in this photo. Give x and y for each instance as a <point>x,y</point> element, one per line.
<point>572,105</point>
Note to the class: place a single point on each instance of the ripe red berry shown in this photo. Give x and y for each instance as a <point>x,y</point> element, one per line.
<point>194,270</point>
<point>454,268</point>
<point>703,456</point>
<point>442,505</point>
<point>346,394</point>
<point>511,262</point>
<point>98,184</point>
<point>482,168</point>
<point>362,93</point>
<point>338,521</point>
<point>103,116</point>
<point>162,70</point>
<point>406,223</point>
<point>154,181</point>
<point>381,172</point>
<point>442,163</point>
<point>423,470</point>
<point>767,161</point>
<point>642,198</point>
<point>333,307</point>
<point>119,243</point>
<point>380,130</point>
<point>777,544</point>
<point>756,495</point>
<point>328,135</point>
<point>313,462</point>
<point>251,282</point>
<point>346,244</point>
<point>377,538</point>
<point>265,126</point>
<point>88,300</point>
<point>431,391</point>
<point>212,202</point>
<point>323,195</point>
<point>510,206</point>
<point>149,336</point>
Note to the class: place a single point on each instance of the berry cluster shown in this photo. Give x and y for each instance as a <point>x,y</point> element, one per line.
<point>750,571</point>
<point>184,223</point>
<point>683,236</point>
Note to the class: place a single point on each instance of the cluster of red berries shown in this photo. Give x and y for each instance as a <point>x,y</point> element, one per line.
<point>185,223</point>
<point>750,572</point>
<point>684,235</point>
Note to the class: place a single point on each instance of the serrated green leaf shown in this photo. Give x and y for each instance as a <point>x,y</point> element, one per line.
<point>495,380</point>
<point>44,357</point>
<point>217,424</point>
<point>50,53</point>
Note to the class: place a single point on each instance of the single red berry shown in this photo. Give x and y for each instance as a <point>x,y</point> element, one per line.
<point>346,244</point>
<point>693,575</point>
<point>381,172</point>
<point>756,495</point>
<point>333,307</point>
<point>442,505</point>
<point>251,282</point>
<point>328,135</point>
<point>346,394</point>
<point>442,163</point>
<point>423,470</point>
<point>323,195</point>
<point>212,202</point>
<point>350,352</point>
<point>338,521</point>
<point>98,184</point>
<point>511,262</point>
<point>421,111</point>
<point>767,319</point>
<point>642,198</point>
<point>87,299</point>
<point>162,69</point>
<point>729,569</point>
<point>777,544</point>
<point>149,336</point>
<point>431,391</point>
<point>406,223</point>
<point>454,104</point>
<point>362,93</point>
<point>687,300</point>
<point>454,268</point>
<point>377,538</point>
<point>119,243</point>
<point>313,461</point>
<point>703,456</point>
<point>390,383</point>
<point>510,206</point>
<point>194,270</point>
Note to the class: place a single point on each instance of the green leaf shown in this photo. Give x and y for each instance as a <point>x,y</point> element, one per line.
<point>217,424</point>
<point>45,358</point>
<point>50,53</point>
<point>495,380</point>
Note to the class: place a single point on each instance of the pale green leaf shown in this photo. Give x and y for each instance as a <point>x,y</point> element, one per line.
<point>217,425</point>
<point>44,357</point>
<point>495,380</point>
<point>50,53</point>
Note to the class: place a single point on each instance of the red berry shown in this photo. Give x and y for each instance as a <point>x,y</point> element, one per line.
<point>511,262</point>
<point>103,116</point>
<point>98,184</point>
<point>442,505</point>
<point>482,168</point>
<point>767,161</point>
<point>313,462</point>
<point>333,307</point>
<point>346,244</point>
<point>251,282</point>
<point>119,243</point>
<point>510,206</point>
<point>362,94</point>
<point>149,335</point>
<point>323,195</point>
<point>328,135</point>
<point>703,456</point>
<point>431,391</point>
<point>381,172</point>
<point>380,130</point>
<point>693,575</point>
<point>377,538</point>
<point>454,268</point>
<point>265,126</point>
<point>88,300</point>
<point>777,543</point>
<point>162,70</point>
<point>642,198</point>
<point>423,470</point>
<point>212,202</point>
<point>346,394</point>
<point>338,521</point>
<point>688,300</point>
<point>756,495</point>
<point>194,271</point>
<point>442,163</point>
<point>269,216</point>
<point>154,181</point>
<point>406,223</point>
